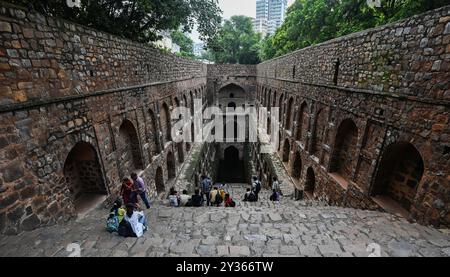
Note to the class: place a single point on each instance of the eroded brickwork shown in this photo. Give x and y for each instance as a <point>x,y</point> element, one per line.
<point>378,128</point>
<point>64,85</point>
<point>387,105</point>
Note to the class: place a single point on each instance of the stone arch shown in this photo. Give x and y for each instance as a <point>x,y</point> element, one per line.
<point>279,140</point>
<point>192,102</point>
<point>231,125</point>
<point>129,149</point>
<point>159,180</point>
<point>274,99</point>
<point>286,150</point>
<point>231,168</point>
<point>180,151</point>
<point>231,105</point>
<point>289,114</point>
<point>185,101</point>
<point>302,121</point>
<point>297,166</point>
<point>153,135</point>
<point>310,183</point>
<point>83,174</point>
<point>280,107</point>
<point>171,169</point>
<point>192,140</point>
<point>345,149</point>
<point>269,95</point>
<point>399,173</point>
<point>319,131</point>
<point>177,101</point>
<point>166,124</point>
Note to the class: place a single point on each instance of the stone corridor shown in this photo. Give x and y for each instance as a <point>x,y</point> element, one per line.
<point>263,229</point>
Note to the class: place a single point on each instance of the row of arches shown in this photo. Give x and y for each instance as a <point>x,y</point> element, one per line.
<point>83,171</point>
<point>397,173</point>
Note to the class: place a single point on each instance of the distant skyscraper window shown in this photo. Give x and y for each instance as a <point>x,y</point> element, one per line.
<point>270,14</point>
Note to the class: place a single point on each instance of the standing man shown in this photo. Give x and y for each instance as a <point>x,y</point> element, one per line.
<point>140,189</point>
<point>206,188</point>
<point>276,185</point>
<point>256,186</point>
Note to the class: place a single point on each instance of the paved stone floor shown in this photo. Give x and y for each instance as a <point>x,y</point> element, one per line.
<point>264,229</point>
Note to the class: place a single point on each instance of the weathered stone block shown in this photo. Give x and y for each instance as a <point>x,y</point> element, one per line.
<point>5,27</point>
<point>31,223</point>
<point>13,172</point>
<point>9,200</point>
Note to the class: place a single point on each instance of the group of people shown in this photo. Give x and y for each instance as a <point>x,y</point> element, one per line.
<point>126,217</point>
<point>252,194</point>
<point>128,220</point>
<point>213,196</point>
<point>132,188</point>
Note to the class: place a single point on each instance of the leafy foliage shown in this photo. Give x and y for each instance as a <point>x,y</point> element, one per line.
<point>309,22</point>
<point>186,43</point>
<point>139,20</point>
<point>236,42</point>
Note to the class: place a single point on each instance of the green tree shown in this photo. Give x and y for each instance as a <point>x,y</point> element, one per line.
<point>139,20</point>
<point>236,42</point>
<point>309,22</point>
<point>186,43</point>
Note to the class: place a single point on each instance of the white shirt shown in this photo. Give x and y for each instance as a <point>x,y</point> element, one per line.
<point>184,198</point>
<point>276,186</point>
<point>138,228</point>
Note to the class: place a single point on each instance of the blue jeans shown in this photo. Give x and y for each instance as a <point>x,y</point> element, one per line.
<point>143,196</point>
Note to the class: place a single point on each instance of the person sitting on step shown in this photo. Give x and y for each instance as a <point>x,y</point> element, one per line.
<point>174,199</point>
<point>184,198</point>
<point>229,202</point>
<point>197,199</point>
<point>134,224</point>
<point>250,196</point>
<point>275,196</point>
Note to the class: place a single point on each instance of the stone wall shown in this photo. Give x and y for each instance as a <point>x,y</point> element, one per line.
<point>222,75</point>
<point>391,86</point>
<point>63,84</point>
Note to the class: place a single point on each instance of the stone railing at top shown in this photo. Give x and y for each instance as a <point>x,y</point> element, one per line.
<point>408,58</point>
<point>46,58</point>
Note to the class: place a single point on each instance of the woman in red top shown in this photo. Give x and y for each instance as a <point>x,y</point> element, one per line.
<point>229,203</point>
<point>126,190</point>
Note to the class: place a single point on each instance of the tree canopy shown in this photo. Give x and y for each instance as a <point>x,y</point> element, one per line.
<point>186,43</point>
<point>236,42</point>
<point>309,22</point>
<point>138,20</point>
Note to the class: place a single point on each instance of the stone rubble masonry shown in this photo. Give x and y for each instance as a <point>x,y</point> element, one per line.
<point>393,84</point>
<point>62,85</point>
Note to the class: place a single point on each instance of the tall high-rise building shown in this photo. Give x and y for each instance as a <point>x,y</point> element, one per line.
<point>270,14</point>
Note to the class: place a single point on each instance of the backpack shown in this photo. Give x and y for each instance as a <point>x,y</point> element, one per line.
<point>112,223</point>
<point>257,187</point>
<point>219,199</point>
<point>252,197</point>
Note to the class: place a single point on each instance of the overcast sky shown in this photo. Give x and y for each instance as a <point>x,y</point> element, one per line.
<point>235,7</point>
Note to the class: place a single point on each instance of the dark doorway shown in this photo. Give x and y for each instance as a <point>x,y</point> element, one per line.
<point>231,168</point>
<point>171,170</point>
<point>159,180</point>
<point>310,184</point>
<point>84,177</point>
<point>400,172</point>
